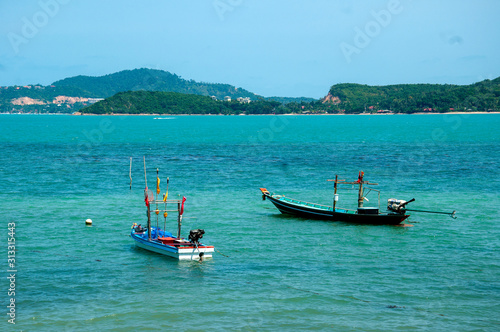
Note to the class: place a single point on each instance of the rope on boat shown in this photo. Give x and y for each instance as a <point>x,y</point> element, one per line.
<point>221,253</point>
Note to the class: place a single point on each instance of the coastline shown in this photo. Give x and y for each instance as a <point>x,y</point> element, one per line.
<point>286,114</point>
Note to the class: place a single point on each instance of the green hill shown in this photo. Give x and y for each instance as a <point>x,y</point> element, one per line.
<point>158,102</point>
<point>342,98</point>
<point>410,98</point>
<point>150,80</point>
<point>38,98</point>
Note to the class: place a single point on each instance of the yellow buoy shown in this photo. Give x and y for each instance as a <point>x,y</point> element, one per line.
<point>165,214</point>
<point>157,211</point>
<point>88,222</point>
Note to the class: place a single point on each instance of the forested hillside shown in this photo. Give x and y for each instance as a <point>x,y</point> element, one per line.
<point>410,98</point>
<point>150,80</point>
<point>342,99</point>
<point>149,102</point>
<point>72,94</point>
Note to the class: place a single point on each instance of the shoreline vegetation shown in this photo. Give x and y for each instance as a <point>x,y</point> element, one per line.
<point>354,99</point>
<point>273,114</point>
<point>155,92</point>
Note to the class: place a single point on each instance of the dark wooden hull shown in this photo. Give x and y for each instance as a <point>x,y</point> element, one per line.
<point>304,211</point>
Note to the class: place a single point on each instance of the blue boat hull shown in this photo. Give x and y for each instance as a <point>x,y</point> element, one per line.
<point>177,248</point>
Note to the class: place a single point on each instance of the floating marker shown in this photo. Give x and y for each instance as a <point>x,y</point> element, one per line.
<point>88,222</point>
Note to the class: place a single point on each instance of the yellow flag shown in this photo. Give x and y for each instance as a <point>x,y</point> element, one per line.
<point>157,185</point>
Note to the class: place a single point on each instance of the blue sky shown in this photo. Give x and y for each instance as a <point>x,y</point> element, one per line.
<point>272,48</point>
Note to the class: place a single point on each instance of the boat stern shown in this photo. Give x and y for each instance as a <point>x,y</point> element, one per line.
<point>200,253</point>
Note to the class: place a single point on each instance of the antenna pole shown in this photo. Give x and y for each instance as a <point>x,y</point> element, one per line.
<point>130,173</point>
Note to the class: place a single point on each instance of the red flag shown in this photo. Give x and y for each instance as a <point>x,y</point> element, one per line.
<point>146,196</point>
<point>360,177</point>
<point>182,206</point>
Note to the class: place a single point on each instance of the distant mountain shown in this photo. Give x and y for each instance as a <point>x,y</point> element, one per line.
<point>74,93</point>
<point>410,98</point>
<point>71,94</point>
<point>150,80</point>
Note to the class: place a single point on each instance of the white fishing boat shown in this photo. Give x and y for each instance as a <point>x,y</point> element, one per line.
<point>159,240</point>
<point>165,243</point>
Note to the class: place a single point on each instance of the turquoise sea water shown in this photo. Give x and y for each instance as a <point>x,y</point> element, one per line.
<point>271,272</point>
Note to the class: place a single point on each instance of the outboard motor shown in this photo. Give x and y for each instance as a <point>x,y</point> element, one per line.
<point>393,204</point>
<point>139,229</point>
<point>397,205</point>
<point>195,235</point>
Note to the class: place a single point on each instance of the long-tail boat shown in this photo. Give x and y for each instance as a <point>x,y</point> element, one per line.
<point>159,240</point>
<point>395,214</point>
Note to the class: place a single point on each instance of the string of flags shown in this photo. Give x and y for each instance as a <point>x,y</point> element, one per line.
<point>158,191</point>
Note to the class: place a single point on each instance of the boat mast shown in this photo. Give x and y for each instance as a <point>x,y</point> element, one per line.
<point>130,173</point>
<point>165,197</point>
<point>157,211</point>
<point>149,220</point>
<point>360,193</point>
<point>335,192</point>
<point>179,220</point>
<point>360,182</point>
<point>146,198</point>
<point>335,197</point>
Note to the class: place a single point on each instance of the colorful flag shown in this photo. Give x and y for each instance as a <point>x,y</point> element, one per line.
<point>182,206</point>
<point>157,184</point>
<point>146,196</point>
<point>360,177</point>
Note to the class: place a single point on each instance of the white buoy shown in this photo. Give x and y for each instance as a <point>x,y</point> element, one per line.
<point>88,222</point>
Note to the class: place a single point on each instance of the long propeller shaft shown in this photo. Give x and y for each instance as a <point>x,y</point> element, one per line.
<point>451,214</point>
